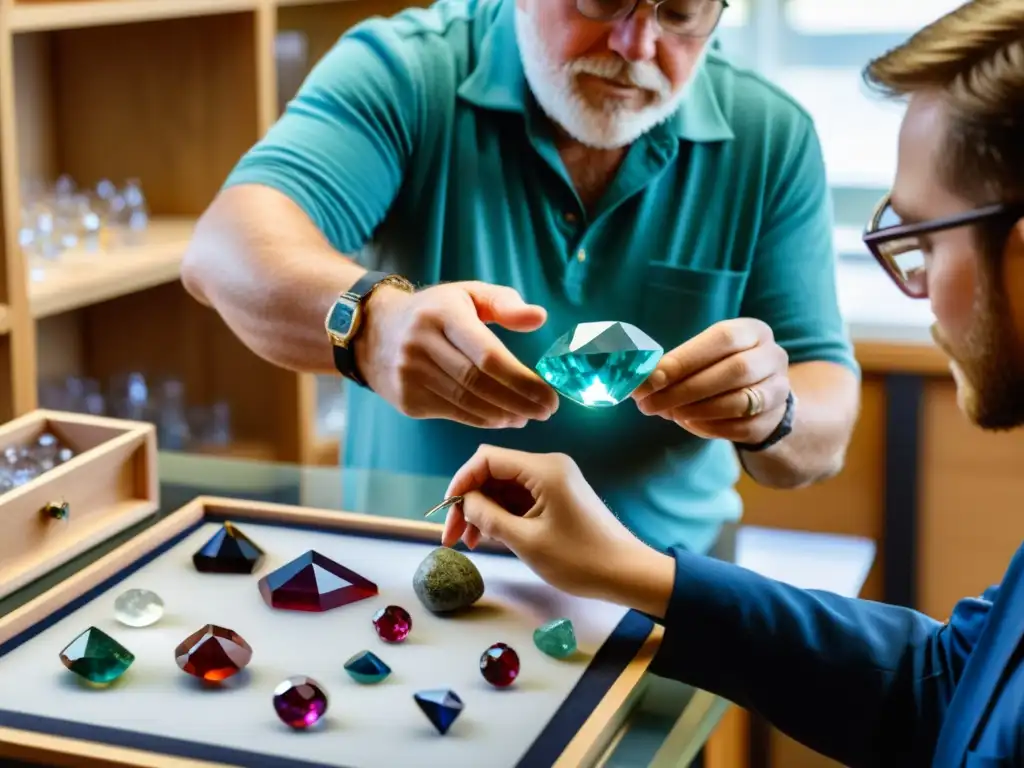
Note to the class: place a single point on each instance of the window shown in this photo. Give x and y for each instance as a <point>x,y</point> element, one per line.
<point>816,50</point>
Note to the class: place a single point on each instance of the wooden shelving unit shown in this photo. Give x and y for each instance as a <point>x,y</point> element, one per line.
<point>172,93</point>
<point>82,279</point>
<point>30,16</point>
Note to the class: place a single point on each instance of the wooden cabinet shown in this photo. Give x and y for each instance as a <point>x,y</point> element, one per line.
<point>171,93</point>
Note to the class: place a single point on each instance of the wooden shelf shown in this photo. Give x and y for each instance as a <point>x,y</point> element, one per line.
<point>326,451</point>
<point>42,17</point>
<point>79,278</point>
<point>171,93</point>
<point>890,357</point>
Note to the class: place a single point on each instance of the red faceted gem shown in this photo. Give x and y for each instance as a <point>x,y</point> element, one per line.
<point>393,624</point>
<point>300,702</point>
<point>213,653</point>
<point>500,665</point>
<point>312,582</point>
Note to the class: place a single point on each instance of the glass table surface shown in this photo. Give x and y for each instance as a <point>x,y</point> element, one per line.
<point>668,726</point>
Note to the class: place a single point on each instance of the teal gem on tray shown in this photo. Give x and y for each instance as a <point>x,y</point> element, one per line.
<point>367,668</point>
<point>556,638</point>
<point>97,657</point>
<point>599,365</point>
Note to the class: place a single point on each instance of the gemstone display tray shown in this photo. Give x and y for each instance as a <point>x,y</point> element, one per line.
<point>110,485</point>
<point>558,713</point>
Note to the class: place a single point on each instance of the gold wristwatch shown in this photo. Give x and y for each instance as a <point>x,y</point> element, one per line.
<point>345,318</point>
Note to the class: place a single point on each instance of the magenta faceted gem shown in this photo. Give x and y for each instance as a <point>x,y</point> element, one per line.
<point>300,702</point>
<point>499,665</point>
<point>393,624</point>
<point>312,582</point>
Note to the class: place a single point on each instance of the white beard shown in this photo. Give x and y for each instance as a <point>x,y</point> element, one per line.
<point>611,126</point>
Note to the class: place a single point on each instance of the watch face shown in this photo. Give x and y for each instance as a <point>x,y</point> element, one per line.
<point>341,321</point>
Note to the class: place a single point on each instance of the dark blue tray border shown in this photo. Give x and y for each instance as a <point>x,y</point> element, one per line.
<point>610,661</point>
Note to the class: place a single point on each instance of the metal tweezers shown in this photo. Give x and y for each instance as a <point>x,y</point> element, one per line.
<point>451,501</point>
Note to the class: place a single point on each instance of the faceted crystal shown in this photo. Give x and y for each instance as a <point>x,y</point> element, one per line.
<point>300,702</point>
<point>97,657</point>
<point>499,665</point>
<point>213,653</point>
<point>600,364</point>
<point>138,608</point>
<point>393,624</point>
<point>228,551</point>
<point>312,582</point>
<point>556,638</point>
<point>367,668</point>
<point>441,707</point>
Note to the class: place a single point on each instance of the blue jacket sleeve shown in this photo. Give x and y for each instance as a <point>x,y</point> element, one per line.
<point>864,683</point>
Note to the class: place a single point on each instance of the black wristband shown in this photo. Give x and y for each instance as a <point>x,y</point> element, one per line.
<point>781,431</point>
<point>345,362</point>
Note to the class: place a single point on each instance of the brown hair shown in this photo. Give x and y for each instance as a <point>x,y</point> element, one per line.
<point>973,58</point>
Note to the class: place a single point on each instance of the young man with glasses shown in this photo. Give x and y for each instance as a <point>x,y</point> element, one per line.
<point>532,165</point>
<point>864,683</point>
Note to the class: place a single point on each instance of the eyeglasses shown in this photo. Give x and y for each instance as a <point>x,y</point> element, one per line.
<point>685,18</point>
<point>899,248</point>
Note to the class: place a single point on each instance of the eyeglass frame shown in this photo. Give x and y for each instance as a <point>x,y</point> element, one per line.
<point>874,237</point>
<point>630,8</point>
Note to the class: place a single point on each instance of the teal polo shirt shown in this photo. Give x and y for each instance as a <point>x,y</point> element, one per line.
<point>415,145</point>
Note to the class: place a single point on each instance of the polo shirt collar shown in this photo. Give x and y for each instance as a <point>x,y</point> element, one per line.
<point>498,82</point>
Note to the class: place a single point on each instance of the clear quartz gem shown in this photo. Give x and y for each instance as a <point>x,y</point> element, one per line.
<point>138,608</point>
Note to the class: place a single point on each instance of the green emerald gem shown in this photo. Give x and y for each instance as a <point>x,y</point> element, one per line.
<point>600,364</point>
<point>556,638</point>
<point>97,657</point>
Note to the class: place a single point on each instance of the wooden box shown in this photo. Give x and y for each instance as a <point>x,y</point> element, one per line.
<point>109,485</point>
<point>558,712</point>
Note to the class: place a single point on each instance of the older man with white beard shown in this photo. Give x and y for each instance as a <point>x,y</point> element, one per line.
<point>454,188</point>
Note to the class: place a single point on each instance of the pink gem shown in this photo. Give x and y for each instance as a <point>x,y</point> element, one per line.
<point>300,702</point>
<point>499,665</point>
<point>393,624</point>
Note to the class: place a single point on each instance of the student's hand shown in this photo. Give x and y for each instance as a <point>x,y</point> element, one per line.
<point>558,526</point>
<point>730,382</point>
<point>432,356</point>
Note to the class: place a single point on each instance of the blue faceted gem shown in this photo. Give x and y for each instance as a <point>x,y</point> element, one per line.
<point>598,365</point>
<point>441,707</point>
<point>367,668</point>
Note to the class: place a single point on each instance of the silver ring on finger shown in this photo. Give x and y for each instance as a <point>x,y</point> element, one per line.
<point>755,402</point>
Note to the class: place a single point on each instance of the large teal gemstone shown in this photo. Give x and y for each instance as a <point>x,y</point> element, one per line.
<point>97,657</point>
<point>600,364</point>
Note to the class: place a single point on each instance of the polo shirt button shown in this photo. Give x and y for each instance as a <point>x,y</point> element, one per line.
<point>581,255</point>
<point>570,217</point>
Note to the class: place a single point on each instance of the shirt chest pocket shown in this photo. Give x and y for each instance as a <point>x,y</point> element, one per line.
<point>680,302</point>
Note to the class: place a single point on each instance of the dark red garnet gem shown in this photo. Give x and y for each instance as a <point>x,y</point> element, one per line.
<point>500,665</point>
<point>312,582</point>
